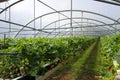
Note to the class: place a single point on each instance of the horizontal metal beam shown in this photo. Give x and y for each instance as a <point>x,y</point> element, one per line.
<point>104,24</point>
<point>63,28</point>
<point>21,25</point>
<point>97,33</point>
<point>21,34</point>
<point>77,27</point>
<point>8,28</point>
<point>88,31</point>
<point>13,31</point>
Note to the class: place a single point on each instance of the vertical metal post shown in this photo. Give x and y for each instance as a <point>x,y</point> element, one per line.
<point>4,38</point>
<point>5,11</point>
<point>87,22</point>
<point>115,30</point>
<point>82,23</point>
<point>9,21</point>
<point>34,17</point>
<point>41,25</point>
<point>100,33</point>
<point>87,28</point>
<point>59,23</point>
<point>71,19</point>
<point>55,29</point>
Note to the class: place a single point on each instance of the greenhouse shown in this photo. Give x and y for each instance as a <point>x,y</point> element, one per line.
<point>59,40</point>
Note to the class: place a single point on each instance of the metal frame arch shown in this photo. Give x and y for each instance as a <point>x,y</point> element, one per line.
<point>74,11</point>
<point>90,34</point>
<point>73,18</point>
<point>79,27</point>
<point>10,6</point>
<point>76,18</point>
<point>69,27</point>
<point>88,31</point>
<point>68,18</point>
<point>110,31</point>
<point>85,34</point>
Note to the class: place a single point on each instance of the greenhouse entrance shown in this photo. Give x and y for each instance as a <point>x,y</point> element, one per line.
<point>59,40</point>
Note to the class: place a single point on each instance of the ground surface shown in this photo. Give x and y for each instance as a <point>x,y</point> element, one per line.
<point>82,69</point>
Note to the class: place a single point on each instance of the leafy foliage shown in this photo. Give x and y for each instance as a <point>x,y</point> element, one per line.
<point>34,53</point>
<point>110,50</point>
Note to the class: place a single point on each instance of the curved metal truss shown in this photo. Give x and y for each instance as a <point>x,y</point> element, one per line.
<point>81,22</point>
<point>103,28</point>
<point>10,6</point>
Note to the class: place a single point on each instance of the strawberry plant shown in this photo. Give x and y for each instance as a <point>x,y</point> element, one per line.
<point>109,52</point>
<point>34,53</point>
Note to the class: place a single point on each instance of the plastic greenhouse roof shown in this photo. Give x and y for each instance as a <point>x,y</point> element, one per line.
<point>58,18</point>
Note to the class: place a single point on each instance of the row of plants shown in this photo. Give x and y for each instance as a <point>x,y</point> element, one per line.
<point>35,53</point>
<point>74,68</point>
<point>110,52</point>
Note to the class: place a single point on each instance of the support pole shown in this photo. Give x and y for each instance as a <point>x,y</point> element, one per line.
<point>82,23</point>
<point>41,25</point>
<point>4,38</point>
<point>59,24</point>
<point>5,11</point>
<point>34,17</point>
<point>71,19</point>
<point>55,28</point>
<point>9,21</point>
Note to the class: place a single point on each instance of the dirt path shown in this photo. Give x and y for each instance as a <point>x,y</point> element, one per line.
<point>79,70</point>
<point>88,72</point>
